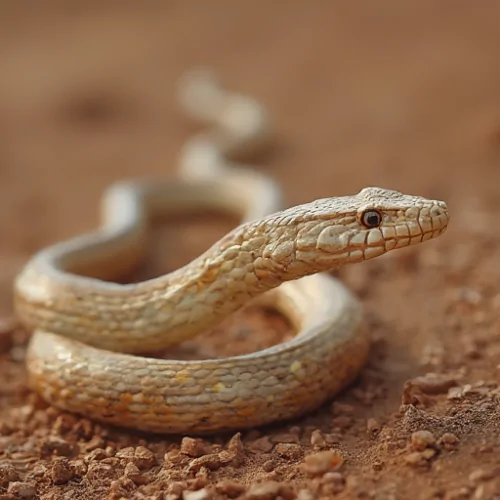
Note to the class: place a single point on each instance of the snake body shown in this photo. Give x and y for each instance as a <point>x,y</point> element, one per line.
<point>89,332</point>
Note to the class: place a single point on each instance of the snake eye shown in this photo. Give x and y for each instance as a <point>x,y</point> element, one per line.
<point>371,218</point>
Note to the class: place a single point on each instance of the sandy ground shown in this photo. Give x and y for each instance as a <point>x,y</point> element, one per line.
<point>400,96</point>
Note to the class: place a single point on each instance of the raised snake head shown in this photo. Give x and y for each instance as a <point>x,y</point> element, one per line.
<point>331,232</point>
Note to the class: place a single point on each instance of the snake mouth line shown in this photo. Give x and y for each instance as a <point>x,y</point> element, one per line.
<point>424,236</point>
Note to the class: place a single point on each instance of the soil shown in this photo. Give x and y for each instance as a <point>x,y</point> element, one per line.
<point>402,95</point>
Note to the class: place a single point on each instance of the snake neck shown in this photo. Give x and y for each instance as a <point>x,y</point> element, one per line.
<point>245,263</point>
<point>154,314</point>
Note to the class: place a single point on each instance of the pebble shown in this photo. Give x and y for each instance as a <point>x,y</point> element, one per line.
<point>133,473</point>
<point>213,461</point>
<point>488,491</point>
<point>305,495</point>
<point>230,488</point>
<point>96,455</point>
<point>321,462</point>
<point>420,440</point>
<point>140,456</point>
<point>270,490</point>
<point>342,422</point>
<point>61,471</point>
<point>289,450</point>
<point>203,494</point>
<point>144,458</point>
<point>285,438</point>
<point>194,448</point>
<point>479,475</point>
<point>60,447</point>
<point>261,445</point>
<point>317,439</point>
<point>7,474</point>
<point>372,426</point>
<point>462,493</point>
<point>448,440</point>
<point>431,383</point>
<point>414,458</point>
<point>269,465</point>
<point>21,489</point>
<point>341,408</point>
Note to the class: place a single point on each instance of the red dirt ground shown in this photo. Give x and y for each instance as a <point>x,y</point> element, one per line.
<point>388,94</point>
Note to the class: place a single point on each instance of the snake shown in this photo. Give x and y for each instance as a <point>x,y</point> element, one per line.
<point>92,335</point>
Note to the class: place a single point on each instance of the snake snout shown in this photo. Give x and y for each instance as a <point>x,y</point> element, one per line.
<point>434,219</point>
<point>439,216</point>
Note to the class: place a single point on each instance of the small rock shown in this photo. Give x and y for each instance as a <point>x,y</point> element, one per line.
<point>448,440</point>
<point>420,440</point>
<point>428,453</point>
<point>212,461</point>
<point>455,393</point>
<point>356,488</point>
<point>480,475</point>
<point>332,438</point>
<point>194,447</point>
<point>342,422</point>
<point>305,495</point>
<point>469,296</point>
<point>462,493</point>
<point>65,423</point>
<point>261,445</point>
<point>317,439</point>
<point>175,490</point>
<point>97,471</point>
<point>7,475</point>
<point>117,489</point>
<point>144,458</point>
<point>487,491</point>
<point>96,455</point>
<point>270,490</point>
<point>429,384</point>
<point>289,450</point>
<point>202,494</point>
<point>133,473</point>
<point>174,458</point>
<point>126,453</point>
<point>60,447</point>
<point>235,446</point>
<point>342,408</point>
<point>333,477</point>
<point>321,462</point>
<point>269,465</point>
<point>372,426</point>
<point>285,438</point>
<point>419,458</point>
<point>232,489</point>
<point>61,471</point>
<point>21,489</point>
<point>415,459</point>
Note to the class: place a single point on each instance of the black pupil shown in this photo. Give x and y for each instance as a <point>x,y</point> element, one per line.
<point>372,219</point>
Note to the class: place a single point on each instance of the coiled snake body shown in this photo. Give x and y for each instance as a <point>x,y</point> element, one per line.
<point>87,330</point>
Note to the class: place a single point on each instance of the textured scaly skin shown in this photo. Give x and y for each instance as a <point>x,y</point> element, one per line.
<point>85,325</point>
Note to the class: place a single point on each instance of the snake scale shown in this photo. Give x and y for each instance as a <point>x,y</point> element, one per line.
<point>89,332</point>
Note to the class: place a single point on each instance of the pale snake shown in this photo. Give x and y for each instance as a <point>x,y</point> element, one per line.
<point>87,330</point>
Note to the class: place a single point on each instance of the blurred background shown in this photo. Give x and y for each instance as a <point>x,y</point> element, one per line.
<point>401,95</point>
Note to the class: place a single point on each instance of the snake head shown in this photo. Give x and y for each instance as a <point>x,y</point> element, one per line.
<point>332,232</point>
